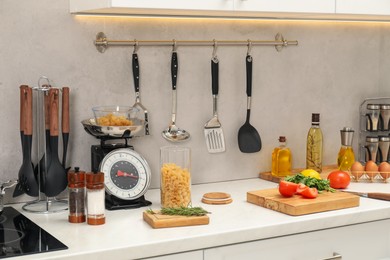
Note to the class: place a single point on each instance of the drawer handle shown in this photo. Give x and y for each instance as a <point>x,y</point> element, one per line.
<point>336,256</point>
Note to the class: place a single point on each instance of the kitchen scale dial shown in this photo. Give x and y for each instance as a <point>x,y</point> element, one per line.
<point>126,178</point>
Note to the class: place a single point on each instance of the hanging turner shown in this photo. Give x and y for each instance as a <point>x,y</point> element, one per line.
<point>213,132</point>
<point>138,103</point>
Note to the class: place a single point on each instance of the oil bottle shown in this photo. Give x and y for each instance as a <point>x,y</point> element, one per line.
<point>314,145</point>
<point>281,159</point>
<point>346,156</point>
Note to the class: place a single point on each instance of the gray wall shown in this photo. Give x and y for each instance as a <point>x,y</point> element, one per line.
<point>335,66</point>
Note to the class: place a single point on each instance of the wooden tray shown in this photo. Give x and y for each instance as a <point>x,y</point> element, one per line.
<point>297,205</point>
<point>163,221</point>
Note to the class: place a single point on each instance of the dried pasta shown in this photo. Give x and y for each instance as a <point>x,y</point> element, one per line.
<point>175,186</point>
<point>113,120</point>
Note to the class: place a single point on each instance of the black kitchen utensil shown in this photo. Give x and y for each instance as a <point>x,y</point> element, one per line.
<point>136,75</point>
<point>65,123</point>
<point>26,176</point>
<point>18,189</point>
<point>56,179</point>
<point>45,161</point>
<point>173,133</point>
<point>248,138</point>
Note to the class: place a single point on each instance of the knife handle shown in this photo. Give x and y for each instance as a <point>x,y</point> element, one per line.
<point>28,123</point>
<point>53,93</point>
<point>378,195</point>
<point>47,109</point>
<point>65,110</point>
<point>22,114</point>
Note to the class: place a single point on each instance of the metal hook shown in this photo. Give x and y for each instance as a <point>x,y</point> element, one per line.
<point>215,58</point>
<point>44,87</point>
<point>174,46</point>
<point>248,53</point>
<point>136,46</point>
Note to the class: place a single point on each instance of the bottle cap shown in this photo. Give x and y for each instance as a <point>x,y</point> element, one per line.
<point>95,178</point>
<point>315,117</point>
<point>76,176</point>
<point>373,106</point>
<point>282,139</point>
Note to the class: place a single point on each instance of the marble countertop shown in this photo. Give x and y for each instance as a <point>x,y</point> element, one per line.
<point>126,236</point>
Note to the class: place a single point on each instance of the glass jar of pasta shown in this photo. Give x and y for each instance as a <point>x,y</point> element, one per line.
<point>175,187</point>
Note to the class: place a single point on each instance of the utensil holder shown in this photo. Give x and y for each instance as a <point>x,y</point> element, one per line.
<point>43,203</point>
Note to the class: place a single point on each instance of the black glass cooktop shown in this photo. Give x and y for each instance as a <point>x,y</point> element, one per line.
<point>20,236</point>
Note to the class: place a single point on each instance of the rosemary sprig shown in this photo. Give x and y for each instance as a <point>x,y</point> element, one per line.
<point>181,211</point>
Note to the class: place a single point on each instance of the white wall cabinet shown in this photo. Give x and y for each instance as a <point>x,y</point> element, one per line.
<point>289,6</point>
<point>363,241</point>
<point>365,7</point>
<point>321,9</point>
<point>152,7</point>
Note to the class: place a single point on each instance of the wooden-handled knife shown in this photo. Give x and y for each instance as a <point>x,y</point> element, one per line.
<point>372,195</point>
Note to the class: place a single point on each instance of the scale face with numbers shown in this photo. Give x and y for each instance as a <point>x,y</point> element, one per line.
<point>126,176</point>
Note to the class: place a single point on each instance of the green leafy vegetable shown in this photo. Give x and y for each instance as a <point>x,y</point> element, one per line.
<point>321,185</point>
<point>182,211</point>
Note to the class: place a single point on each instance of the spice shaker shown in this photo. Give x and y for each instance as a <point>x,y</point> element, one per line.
<point>175,176</point>
<point>76,192</point>
<point>371,147</point>
<point>383,148</point>
<point>373,111</point>
<point>95,198</point>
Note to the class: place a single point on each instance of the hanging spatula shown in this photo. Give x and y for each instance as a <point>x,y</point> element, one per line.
<point>135,65</point>
<point>213,132</point>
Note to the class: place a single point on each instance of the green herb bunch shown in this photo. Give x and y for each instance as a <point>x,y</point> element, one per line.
<point>320,184</point>
<point>182,211</point>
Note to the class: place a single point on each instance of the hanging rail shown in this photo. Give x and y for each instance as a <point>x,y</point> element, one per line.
<point>102,43</point>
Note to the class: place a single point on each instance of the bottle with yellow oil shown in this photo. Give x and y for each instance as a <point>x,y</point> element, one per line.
<point>281,159</point>
<point>346,156</point>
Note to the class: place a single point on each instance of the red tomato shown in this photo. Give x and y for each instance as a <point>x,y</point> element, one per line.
<point>339,179</point>
<point>301,187</point>
<point>287,189</point>
<point>310,193</point>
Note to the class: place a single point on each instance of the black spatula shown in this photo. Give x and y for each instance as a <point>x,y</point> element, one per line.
<point>248,138</point>
<point>56,179</point>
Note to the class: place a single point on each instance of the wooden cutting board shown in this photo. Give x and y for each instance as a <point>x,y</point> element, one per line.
<point>158,220</point>
<point>297,205</point>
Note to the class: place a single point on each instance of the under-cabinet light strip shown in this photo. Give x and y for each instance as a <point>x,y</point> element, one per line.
<point>102,43</point>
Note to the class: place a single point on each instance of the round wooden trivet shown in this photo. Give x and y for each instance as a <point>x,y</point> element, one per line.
<point>217,198</point>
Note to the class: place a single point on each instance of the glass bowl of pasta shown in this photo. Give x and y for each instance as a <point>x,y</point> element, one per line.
<point>114,121</point>
<point>114,115</point>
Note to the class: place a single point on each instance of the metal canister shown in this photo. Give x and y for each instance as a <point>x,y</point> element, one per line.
<point>385,116</point>
<point>384,144</point>
<point>372,117</point>
<point>371,148</point>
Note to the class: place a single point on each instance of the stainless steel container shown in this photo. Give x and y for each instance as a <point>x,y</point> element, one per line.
<point>372,116</point>
<point>371,148</point>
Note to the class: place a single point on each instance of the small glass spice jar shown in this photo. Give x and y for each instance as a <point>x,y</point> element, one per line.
<point>95,198</point>
<point>175,176</point>
<point>76,192</point>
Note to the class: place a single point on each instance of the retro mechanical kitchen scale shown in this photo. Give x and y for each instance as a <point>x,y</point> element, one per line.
<point>126,173</point>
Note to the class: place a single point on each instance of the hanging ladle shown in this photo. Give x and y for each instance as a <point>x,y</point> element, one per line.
<point>173,133</point>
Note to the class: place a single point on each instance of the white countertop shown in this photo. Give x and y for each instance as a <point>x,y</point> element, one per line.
<point>126,236</point>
